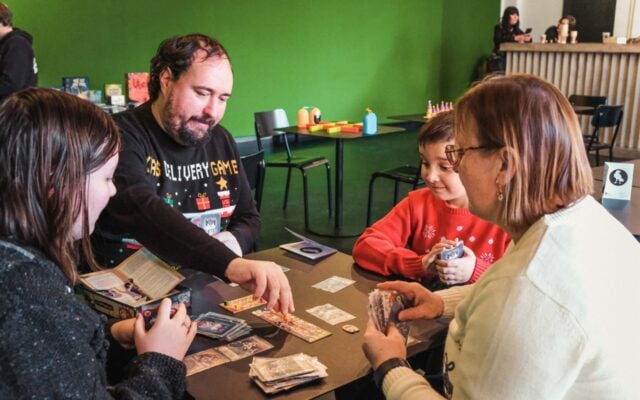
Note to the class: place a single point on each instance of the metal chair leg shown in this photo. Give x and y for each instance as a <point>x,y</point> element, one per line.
<point>328,168</point>
<point>396,187</point>
<point>370,200</point>
<point>305,199</point>
<point>286,189</point>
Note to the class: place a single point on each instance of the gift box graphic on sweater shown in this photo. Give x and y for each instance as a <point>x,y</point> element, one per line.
<point>202,201</point>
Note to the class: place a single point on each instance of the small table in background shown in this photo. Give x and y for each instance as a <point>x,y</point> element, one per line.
<point>339,167</point>
<point>409,117</point>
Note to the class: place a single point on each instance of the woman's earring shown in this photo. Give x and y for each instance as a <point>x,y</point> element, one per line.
<point>500,194</point>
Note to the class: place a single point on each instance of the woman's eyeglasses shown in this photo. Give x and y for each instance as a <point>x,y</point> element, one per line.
<point>454,154</point>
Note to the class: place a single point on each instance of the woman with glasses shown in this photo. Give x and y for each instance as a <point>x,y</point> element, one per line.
<point>58,155</point>
<point>408,240</point>
<point>557,316</point>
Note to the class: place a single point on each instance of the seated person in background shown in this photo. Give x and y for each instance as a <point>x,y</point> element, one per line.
<point>553,32</point>
<point>409,238</point>
<point>58,155</point>
<point>182,192</point>
<point>508,30</point>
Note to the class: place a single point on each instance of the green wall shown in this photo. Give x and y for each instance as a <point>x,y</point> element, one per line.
<point>339,55</point>
<point>467,36</point>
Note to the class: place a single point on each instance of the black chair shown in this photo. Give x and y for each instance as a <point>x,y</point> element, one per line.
<point>254,168</point>
<point>406,174</point>
<point>587,101</point>
<point>604,117</point>
<point>267,124</point>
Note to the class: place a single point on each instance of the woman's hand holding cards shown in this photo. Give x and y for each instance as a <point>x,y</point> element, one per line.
<point>457,270</point>
<point>426,304</point>
<point>379,347</point>
<point>169,335</point>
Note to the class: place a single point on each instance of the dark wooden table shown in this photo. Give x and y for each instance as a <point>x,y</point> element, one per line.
<point>409,117</point>
<point>598,172</point>
<point>341,352</point>
<point>628,213</point>
<point>339,138</point>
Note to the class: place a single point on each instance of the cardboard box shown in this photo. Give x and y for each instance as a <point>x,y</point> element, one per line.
<point>115,309</point>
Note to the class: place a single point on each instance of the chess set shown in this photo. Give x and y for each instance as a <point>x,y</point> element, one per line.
<point>433,110</point>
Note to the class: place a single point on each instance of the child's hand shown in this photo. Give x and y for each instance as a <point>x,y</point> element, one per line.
<point>458,270</point>
<point>429,258</point>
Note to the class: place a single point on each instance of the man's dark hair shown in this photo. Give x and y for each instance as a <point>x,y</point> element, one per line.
<point>177,55</point>
<point>6,16</point>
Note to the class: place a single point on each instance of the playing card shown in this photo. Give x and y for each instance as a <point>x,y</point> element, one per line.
<point>203,360</point>
<point>294,325</point>
<point>244,348</point>
<point>330,314</point>
<point>454,252</point>
<point>241,304</point>
<point>333,284</point>
<point>220,326</point>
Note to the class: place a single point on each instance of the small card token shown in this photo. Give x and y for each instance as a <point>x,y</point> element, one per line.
<point>350,328</point>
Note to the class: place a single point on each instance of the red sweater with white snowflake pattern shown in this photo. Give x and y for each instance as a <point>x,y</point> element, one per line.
<point>396,243</point>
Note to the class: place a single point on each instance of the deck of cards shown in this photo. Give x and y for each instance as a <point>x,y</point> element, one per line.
<point>273,375</point>
<point>384,306</point>
<point>222,327</point>
<point>452,252</point>
<point>293,325</point>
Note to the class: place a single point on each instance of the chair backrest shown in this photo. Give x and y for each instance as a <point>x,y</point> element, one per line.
<point>607,116</point>
<point>254,168</point>
<point>587,101</point>
<point>267,124</point>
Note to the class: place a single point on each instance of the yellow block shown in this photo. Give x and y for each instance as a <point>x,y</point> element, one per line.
<point>333,129</point>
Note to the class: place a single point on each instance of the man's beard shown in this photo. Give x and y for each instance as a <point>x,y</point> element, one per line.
<point>181,132</point>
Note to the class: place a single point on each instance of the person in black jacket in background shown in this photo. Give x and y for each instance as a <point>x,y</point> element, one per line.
<point>508,30</point>
<point>18,67</point>
<point>58,155</point>
<point>182,191</point>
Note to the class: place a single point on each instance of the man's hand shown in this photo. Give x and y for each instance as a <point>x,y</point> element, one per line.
<point>426,304</point>
<point>265,279</point>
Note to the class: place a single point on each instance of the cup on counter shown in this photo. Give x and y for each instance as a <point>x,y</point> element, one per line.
<point>605,36</point>
<point>574,36</point>
<point>543,38</point>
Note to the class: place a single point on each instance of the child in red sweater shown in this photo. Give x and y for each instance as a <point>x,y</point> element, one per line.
<point>409,238</point>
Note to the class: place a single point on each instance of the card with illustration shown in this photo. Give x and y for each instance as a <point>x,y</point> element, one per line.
<point>333,284</point>
<point>242,303</point>
<point>244,348</point>
<point>293,325</point>
<point>330,314</point>
<point>205,359</point>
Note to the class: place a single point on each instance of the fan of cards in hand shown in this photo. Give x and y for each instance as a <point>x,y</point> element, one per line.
<point>276,374</point>
<point>384,306</point>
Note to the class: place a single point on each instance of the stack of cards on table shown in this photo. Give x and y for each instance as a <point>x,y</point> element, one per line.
<point>384,306</point>
<point>276,374</point>
<point>220,326</point>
